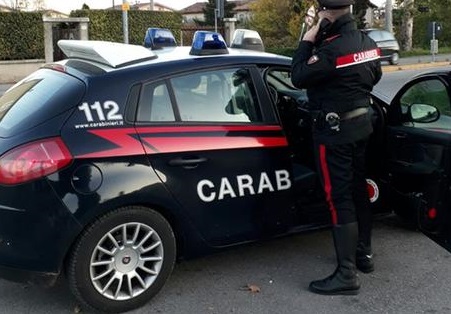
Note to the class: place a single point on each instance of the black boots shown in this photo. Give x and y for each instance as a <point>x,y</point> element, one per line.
<point>364,258</point>
<point>344,280</point>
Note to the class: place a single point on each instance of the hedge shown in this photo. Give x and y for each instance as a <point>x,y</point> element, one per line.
<point>107,24</point>
<point>21,35</point>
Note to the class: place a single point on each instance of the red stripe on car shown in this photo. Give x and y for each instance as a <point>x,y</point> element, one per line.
<point>179,139</point>
<point>186,144</point>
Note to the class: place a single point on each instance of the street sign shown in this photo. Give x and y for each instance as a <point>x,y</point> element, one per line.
<point>434,29</point>
<point>220,8</point>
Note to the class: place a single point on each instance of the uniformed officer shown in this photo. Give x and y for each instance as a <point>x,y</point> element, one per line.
<point>339,65</point>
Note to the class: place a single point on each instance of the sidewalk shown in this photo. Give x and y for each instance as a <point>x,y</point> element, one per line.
<point>419,62</point>
<point>4,87</point>
<point>415,66</point>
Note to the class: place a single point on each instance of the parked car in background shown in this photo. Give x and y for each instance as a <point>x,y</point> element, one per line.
<point>387,42</point>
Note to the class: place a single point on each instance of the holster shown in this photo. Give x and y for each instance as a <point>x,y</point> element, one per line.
<point>318,118</point>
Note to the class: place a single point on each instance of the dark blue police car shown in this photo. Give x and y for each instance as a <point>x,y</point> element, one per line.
<point>119,160</point>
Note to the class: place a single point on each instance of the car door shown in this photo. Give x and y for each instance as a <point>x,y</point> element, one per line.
<point>419,155</point>
<point>214,142</point>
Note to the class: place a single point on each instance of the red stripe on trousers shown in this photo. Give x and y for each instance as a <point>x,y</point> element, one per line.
<point>327,183</point>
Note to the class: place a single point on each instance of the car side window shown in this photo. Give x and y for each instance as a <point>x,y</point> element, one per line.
<point>226,95</point>
<point>155,104</point>
<point>429,92</point>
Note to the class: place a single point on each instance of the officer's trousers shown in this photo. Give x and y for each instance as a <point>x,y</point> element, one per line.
<point>342,172</point>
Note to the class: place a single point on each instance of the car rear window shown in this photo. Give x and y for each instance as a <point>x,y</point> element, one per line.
<point>37,98</point>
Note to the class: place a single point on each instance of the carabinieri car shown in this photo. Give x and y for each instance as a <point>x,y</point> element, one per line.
<point>119,160</point>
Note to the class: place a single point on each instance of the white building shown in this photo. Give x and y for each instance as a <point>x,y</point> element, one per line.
<point>196,11</point>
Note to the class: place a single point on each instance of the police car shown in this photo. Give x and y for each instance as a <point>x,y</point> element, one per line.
<point>119,160</point>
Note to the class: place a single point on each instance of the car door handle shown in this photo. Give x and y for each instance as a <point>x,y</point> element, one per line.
<point>401,135</point>
<point>187,162</point>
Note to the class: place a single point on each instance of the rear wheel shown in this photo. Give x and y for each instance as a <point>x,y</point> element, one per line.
<point>122,260</point>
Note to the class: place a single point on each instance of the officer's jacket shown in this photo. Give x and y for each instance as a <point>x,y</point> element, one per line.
<point>340,69</point>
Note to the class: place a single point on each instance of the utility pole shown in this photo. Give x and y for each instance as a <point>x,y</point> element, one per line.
<point>389,16</point>
<point>151,5</point>
<point>125,8</point>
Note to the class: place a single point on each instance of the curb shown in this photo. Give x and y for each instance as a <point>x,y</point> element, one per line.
<point>417,66</point>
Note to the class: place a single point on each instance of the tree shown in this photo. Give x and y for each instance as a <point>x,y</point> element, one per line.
<point>279,22</point>
<point>407,9</point>
<point>85,7</point>
<point>209,12</point>
<point>426,12</point>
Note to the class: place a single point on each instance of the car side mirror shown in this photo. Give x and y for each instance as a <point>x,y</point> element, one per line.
<point>423,113</point>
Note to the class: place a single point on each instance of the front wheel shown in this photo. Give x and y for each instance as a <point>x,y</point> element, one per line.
<point>394,59</point>
<point>122,260</point>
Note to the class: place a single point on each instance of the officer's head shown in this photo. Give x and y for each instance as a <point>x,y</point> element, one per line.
<point>333,9</point>
<point>335,4</point>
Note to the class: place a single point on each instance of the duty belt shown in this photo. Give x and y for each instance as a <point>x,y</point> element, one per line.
<point>353,113</point>
<point>333,118</point>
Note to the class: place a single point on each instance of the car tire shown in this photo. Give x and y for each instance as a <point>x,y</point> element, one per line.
<point>394,58</point>
<point>111,275</point>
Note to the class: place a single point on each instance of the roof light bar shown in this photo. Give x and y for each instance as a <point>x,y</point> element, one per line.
<point>247,39</point>
<point>157,38</point>
<point>110,53</point>
<point>208,43</point>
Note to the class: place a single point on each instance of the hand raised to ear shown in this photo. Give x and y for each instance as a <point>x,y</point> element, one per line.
<point>311,33</point>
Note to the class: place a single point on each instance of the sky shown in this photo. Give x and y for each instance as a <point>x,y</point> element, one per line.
<point>67,5</point>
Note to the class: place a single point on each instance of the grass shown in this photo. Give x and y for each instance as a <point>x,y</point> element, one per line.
<point>422,52</point>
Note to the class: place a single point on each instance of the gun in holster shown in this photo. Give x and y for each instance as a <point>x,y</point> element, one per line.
<point>318,118</point>
<point>334,119</point>
<point>321,119</point>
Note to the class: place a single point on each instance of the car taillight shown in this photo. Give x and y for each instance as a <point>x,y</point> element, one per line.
<point>33,160</point>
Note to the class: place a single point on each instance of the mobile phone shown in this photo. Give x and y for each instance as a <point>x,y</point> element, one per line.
<point>323,28</point>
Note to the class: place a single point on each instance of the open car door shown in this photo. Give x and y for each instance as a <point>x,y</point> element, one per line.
<point>419,155</point>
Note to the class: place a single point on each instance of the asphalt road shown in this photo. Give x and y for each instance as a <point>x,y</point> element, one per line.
<point>412,275</point>
<point>391,82</point>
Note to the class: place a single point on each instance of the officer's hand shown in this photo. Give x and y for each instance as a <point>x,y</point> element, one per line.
<point>311,33</point>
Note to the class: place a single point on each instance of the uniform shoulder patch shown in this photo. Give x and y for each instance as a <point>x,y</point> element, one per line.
<point>313,59</point>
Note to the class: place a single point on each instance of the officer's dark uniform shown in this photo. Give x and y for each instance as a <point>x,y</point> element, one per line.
<point>339,71</point>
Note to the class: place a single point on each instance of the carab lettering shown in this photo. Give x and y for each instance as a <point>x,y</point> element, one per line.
<point>244,186</point>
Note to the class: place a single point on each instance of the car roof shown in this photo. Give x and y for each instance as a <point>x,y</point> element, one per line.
<point>111,56</point>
